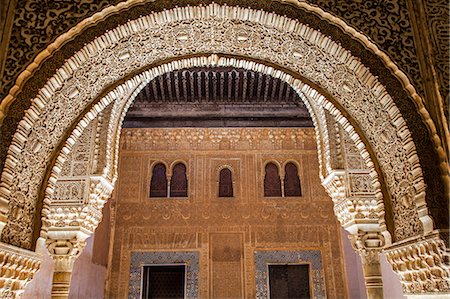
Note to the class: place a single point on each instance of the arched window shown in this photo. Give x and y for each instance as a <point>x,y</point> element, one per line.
<point>178,182</point>
<point>225,183</point>
<point>158,184</point>
<point>272,182</point>
<point>291,181</point>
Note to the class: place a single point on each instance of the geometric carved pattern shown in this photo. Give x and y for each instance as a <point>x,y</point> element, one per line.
<point>360,184</point>
<point>188,258</point>
<point>353,159</point>
<point>311,257</point>
<point>69,192</point>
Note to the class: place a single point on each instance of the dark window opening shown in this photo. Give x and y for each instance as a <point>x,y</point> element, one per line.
<point>163,282</point>
<point>289,282</point>
<point>272,182</point>
<point>225,183</point>
<point>292,181</point>
<point>178,182</point>
<point>158,184</point>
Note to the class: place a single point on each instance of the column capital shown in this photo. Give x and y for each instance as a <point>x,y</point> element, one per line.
<point>369,245</point>
<point>64,253</point>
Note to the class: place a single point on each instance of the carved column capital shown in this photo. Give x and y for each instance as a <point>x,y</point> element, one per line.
<point>64,253</point>
<point>369,246</point>
<point>367,241</point>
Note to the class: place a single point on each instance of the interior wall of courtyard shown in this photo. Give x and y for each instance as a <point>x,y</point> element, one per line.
<point>225,232</point>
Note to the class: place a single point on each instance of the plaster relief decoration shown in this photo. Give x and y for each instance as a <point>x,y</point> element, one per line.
<point>311,257</point>
<point>424,267</point>
<point>140,259</point>
<point>392,17</point>
<point>216,29</point>
<point>17,268</point>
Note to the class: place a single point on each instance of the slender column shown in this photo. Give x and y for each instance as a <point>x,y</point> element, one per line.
<point>169,177</point>
<point>369,246</point>
<point>64,254</point>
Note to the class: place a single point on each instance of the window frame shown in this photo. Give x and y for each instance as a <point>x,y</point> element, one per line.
<point>152,167</point>
<point>233,183</point>
<point>310,274</point>
<point>162,265</point>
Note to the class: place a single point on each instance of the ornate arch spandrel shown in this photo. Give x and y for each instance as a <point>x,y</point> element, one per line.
<point>437,199</point>
<point>301,48</point>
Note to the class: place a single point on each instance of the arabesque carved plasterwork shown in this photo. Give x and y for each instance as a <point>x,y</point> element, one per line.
<point>31,33</point>
<point>17,268</point>
<point>210,138</point>
<point>424,266</point>
<point>214,29</point>
<point>437,12</point>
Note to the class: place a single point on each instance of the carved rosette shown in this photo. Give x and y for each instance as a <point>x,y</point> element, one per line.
<point>17,267</point>
<point>423,265</point>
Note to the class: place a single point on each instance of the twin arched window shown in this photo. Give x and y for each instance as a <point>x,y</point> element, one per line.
<point>178,181</point>
<point>272,181</point>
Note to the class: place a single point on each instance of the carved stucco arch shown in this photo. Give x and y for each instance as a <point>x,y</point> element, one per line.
<point>310,97</point>
<point>330,18</point>
<point>154,163</point>
<point>124,42</point>
<point>297,165</point>
<point>223,166</point>
<point>102,180</point>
